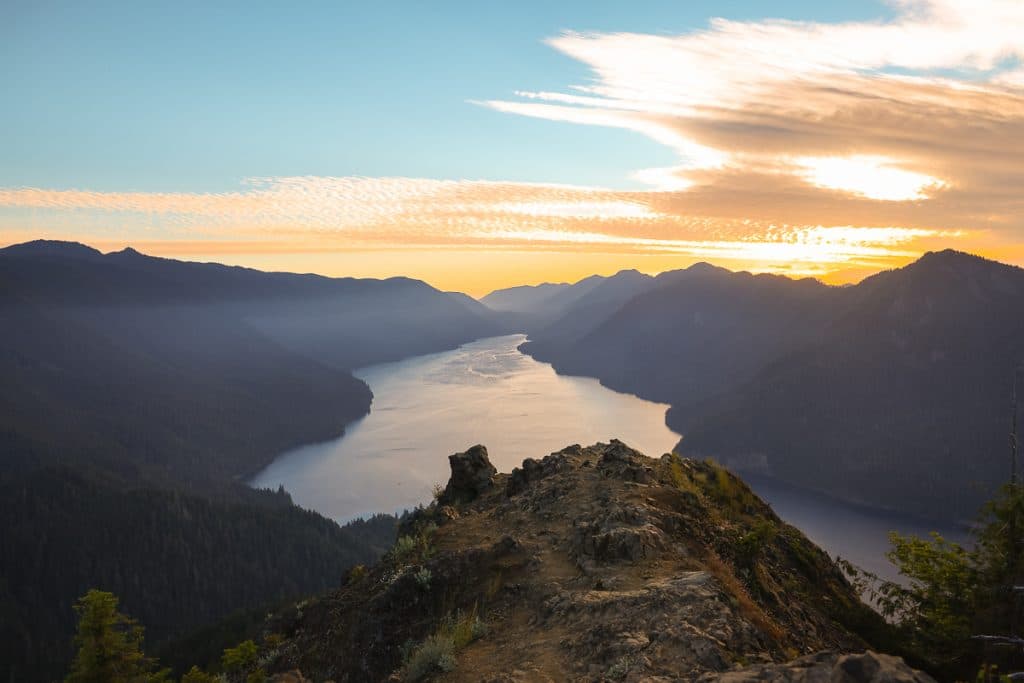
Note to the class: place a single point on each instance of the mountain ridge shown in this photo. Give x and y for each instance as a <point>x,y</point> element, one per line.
<point>591,564</point>
<point>726,349</point>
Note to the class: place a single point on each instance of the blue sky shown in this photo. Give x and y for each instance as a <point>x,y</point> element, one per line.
<point>483,144</point>
<point>196,96</point>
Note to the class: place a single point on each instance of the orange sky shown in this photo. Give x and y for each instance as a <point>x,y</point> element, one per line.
<point>824,149</point>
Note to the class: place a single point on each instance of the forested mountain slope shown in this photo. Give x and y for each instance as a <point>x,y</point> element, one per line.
<point>139,394</point>
<point>177,561</point>
<point>894,392</point>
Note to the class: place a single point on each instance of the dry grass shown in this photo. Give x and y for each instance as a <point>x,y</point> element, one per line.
<point>750,610</point>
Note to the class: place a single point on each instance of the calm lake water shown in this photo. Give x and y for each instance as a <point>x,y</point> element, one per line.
<point>488,392</point>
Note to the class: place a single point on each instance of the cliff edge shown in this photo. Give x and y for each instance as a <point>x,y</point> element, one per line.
<point>592,564</point>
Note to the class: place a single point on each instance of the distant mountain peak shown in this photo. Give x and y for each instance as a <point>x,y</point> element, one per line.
<point>705,267</point>
<point>937,265</point>
<point>56,248</point>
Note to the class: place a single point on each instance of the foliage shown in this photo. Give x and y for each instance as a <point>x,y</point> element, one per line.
<point>620,668</point>
<point>240,657</point>
<point>62,533</point>
<point>437,652</point>
<point>109,644</point>
<point>197,675</point>
<point>403,549</point>
<point>730,495</point>
<point>412,548</point>
<point>423,577</point>
<point>752,544</point>
<point>676,474</point>
<point>952,593</point>
<point>357,574</point>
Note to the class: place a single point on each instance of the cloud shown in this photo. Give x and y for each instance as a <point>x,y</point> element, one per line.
<point>796,122</point>
<point>811,147</point>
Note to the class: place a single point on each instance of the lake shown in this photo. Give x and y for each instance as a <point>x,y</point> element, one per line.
<point>428,407</point>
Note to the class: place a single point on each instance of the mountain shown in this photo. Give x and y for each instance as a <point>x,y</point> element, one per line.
<point>686,334</point>
<point>593,563</point>
<point>177,561</point>
<point>533,308</point>
<point>192,373</point>
<point>528,298</point>
<point>343,322</point>
<point>893,392</point>
<point>904,402</point>
<point>139,395</point>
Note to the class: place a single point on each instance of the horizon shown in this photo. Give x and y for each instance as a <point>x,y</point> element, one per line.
<point>480,297</point>
<point>482,148</point>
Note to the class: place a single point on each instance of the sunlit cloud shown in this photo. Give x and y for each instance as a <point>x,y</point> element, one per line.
<point>809,148</point>
<point>872,177</point>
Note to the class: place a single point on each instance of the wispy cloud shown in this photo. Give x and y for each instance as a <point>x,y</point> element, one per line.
<point>781,118</point>
<point>806,146</point>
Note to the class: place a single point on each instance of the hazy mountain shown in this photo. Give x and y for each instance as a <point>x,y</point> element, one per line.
<point>566,311</point>
<point>892,392</point>
<point>687,334</point>
<point>140,393</point>
<point>904,401</point>
<point>344,322</point>
<point>526,298</point>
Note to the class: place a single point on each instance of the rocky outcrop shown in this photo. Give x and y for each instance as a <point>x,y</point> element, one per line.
<point>592,564</point>
<point>472,474</point>
<point>828,667</point>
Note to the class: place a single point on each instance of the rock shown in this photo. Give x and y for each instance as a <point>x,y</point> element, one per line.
<point>596,564</point>
<point>828,667</point>
<point>472,474</point>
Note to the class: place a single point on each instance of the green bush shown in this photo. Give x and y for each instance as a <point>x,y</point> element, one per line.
<point>423,577</point>
<point>239,658</point>
<point>357,574</point>
<point>437,652</point>
<point>752,544</point>
<point>197,675</point>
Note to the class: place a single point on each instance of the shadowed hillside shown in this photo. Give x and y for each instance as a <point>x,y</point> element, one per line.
<point>893,392</point>
<point>140,394</point>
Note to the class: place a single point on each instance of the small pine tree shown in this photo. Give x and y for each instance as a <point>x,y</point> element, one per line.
<point>239,663</point>
<point>197,675</point>
<point>109,645</point>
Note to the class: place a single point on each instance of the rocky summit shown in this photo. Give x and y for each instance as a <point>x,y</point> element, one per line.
<point>591,564</point>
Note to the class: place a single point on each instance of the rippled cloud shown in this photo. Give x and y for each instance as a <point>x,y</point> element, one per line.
<point>806,147</point>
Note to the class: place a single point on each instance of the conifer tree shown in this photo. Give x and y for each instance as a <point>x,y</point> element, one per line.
<point>109,645</point>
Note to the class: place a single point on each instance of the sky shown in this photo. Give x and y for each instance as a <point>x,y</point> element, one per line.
<point>482,145</point>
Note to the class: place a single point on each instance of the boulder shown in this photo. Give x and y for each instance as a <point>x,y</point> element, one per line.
<point>472,474</point>
<point>828,667</point>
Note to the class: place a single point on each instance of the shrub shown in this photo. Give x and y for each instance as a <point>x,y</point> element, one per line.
<point>436,653</point>
<point>423,577</point>
<point>357,574</point>
<point>619,669</point>
<point>404,547</point>
<point>415,547</point>
<point>239,658</point>
<point>751,544</point>
<point>197,675</point>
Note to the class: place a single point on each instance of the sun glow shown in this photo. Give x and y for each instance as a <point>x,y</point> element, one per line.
<point>869,176</point>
